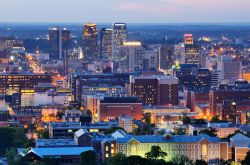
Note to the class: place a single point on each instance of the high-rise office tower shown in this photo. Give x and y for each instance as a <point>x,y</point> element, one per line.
<point>167,58</point>
<point>119,36</point>
<point>130,57</point>
<point>230,69</point>
<point>55,43</point>
<point>191,50</point>
<point>106,43</point>
<point>59,41</point>
<point>188,39</point>
<point>90,45</point>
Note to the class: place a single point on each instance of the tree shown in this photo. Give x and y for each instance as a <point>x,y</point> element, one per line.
<point>179,131</point>
<point>147,128</point>
<point>200,162</point>
<point>185,119</point>
<point>146,118</point>
<point>155,153</point>
<point>200,121</point>
<point>181,160</point>
<point>135,160</point>
<point>118,159</point>
<point>86,118</point>
<point>88,158</point>
<point>59,115</point>
<point>12,141</point>
<point>210,131</point>
<point>215,119</point>
<point>246,161</point>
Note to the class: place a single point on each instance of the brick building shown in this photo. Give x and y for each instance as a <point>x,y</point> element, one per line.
<point>155,90</point>
<point>112,107</point>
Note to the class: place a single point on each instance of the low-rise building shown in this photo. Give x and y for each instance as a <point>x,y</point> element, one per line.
<point>240,145</point>
<point>126,122</point>
<point>113,107</point>
<point>64,155</point>
<point>72,116</point>
<point>61,130</point>
<point>210,149</point>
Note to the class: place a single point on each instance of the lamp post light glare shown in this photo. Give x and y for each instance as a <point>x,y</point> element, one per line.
<point>12,58</point>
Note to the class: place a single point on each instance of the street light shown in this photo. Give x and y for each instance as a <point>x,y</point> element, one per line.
<point>237,120</point>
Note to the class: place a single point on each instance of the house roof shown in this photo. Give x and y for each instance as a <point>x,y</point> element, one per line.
<point>59,151</point>
<point>80,132</point>
<point>240,140</point>
<point>239,136</point>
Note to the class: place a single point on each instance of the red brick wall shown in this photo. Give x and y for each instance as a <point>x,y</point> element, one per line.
<point>119,109</point>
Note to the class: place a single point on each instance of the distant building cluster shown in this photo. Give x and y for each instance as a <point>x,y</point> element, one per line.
<point>110,90</point>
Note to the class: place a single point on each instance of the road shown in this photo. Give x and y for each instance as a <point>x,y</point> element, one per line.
<point>34,64</point>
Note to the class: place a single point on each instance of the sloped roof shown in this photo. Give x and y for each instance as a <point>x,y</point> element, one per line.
<point>80,132</point>
<point>239,136</point>
<point>118,134</point>
<point>44,152</point>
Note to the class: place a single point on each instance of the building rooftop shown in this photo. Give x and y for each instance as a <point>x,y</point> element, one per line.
<point>80,132</point>
<point>59,151</point>
<point>245,128</point>
<point>239,136</point>
<point>164,107</point>
<point>77,125</point>
<point>172,139</point>
<point>43,85</point>
<point>240,140</point>
<point>120,100</point>
<point>41,143</point>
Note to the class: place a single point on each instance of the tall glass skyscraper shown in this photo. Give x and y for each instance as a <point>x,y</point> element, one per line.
<point>90,42</point>
<point>191,50</point>
<point>119,36</point>
<point>106,43</point>
<point>59,41</point>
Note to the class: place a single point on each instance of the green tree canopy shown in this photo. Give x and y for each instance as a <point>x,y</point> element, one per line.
<point>210,131</point>
<point>11,137</point>
<point>246,161</point>
<point>181,160</point>
<point>155,153</point>
<point>118,159</point>
<point>200,162</point>
<point>185,119</point>
<point>88,158</point>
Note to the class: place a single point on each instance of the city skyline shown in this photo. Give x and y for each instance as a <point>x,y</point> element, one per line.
<point>139,11</point>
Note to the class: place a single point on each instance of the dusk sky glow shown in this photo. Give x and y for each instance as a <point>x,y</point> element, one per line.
<point>132,11</point>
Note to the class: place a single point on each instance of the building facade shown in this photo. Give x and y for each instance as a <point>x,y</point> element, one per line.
<point>155,90</point>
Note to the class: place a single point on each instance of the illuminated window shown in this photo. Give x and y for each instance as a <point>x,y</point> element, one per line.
<point>204,149</point>
<point>107,148</point>
<point>112,151</point>
<point>107,155</point>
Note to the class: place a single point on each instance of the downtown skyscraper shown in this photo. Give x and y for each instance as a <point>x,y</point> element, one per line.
<point>106,43</point>
<point>119,36</point>
<point>191,50</point>
<point>90,42</point>
<point>59,42</point>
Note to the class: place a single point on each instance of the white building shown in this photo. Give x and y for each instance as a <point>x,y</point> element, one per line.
<point>52,98</point>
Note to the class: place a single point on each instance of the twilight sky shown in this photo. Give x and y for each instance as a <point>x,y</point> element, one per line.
<point>131,11</point>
